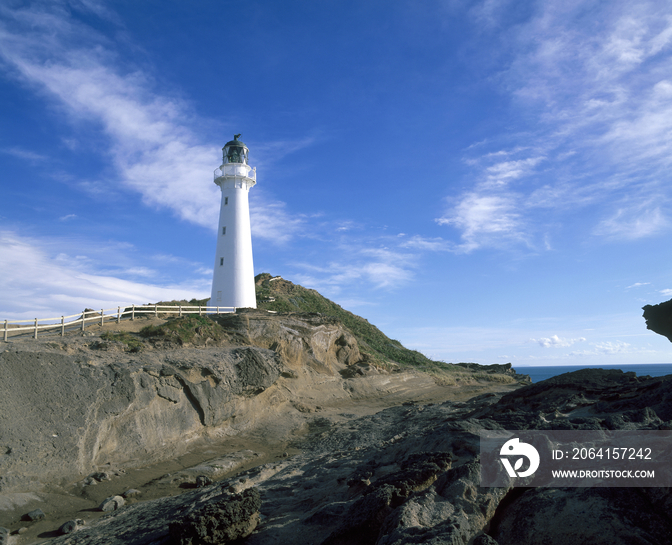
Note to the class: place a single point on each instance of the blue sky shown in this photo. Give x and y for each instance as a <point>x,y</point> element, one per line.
<point>485,181</point>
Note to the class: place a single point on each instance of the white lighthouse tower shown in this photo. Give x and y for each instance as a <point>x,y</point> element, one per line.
<point>233,277</point>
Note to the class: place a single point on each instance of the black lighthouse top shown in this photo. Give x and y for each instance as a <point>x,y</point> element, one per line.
<point>235,151</point>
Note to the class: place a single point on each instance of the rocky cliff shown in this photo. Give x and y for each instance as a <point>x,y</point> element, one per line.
<point>410,475</point>
<point>659,318</point>
<point>70,406</point>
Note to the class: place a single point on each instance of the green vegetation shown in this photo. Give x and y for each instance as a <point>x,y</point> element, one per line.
<point>379,348</point>
<point>187,329</point>
<point>278,295</point>
<point>132,343</point>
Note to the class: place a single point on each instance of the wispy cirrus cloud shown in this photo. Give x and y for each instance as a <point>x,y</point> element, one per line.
<point>152,145</point>
<point>431,244</point>
<point>24,154</point>
<point>36,283</point>
<point>485,219</point>
<point>634,222</point>
<point>596,85</point>
<point>271,221</point>
<point>380,267</point>
<point>605,348</point>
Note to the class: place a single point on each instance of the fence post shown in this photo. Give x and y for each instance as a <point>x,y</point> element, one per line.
<point>102,315</point>
<point>156,311</point>
<point>217,309</point>
<point>35,336</point>
<point>5,330</point>
<point>62,326</point>
<point>133,313</point>
<point>83,319</point>
<point>200,308</point>
<point>180,311</point>
<point>118,314</point>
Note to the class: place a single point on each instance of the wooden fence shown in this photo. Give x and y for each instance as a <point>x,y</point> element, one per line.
<point>102,316</point>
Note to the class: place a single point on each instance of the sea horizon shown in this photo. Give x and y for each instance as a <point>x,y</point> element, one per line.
<point>538,373</point>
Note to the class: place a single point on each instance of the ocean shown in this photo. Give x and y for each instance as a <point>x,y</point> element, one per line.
<point>542,372</point>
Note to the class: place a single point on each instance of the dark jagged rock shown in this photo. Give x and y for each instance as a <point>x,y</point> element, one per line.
<point>497,368</point>
<point>410,474</point>
<point>582,516</point>
<point>659,318</point>
<point>586,399</point>
<point>361,525</point>
<point>219,522</point>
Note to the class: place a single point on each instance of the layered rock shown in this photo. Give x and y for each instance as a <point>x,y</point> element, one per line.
<point>410,474</point>
<point>70,406</point>
<point>63,415</point>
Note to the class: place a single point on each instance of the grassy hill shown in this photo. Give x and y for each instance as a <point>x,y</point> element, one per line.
<point>280,295</point>
<point>276,294</point>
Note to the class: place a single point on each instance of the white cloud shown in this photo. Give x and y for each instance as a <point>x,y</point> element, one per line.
<point>484,220</point>
<point>36,284</point>
<point>638,284</point>
<point>556,342</point>
<point>24,154</point>
<point>595,84</point>
<point>666,292</point>
<point>270,219</point>
<point>633,223</point>
<point>606,348</point>
<point>417,242</point>
<point>151,144</point>
<point>381,268</point>
<point>502,173</point>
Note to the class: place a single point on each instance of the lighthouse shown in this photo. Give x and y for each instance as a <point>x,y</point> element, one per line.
<point>233,275</point>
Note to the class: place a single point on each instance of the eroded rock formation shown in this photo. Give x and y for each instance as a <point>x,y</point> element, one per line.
<point>410,475</point>
<point>659,318</point>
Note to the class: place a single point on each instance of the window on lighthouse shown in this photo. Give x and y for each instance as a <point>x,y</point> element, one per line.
<point>226,200</point>
<point>221,261</point>
<point>223,230</point>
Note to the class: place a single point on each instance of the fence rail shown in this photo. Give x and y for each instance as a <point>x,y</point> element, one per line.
<point>11,327</point>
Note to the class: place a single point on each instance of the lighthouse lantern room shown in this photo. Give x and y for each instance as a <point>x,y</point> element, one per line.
<point>233,275</point>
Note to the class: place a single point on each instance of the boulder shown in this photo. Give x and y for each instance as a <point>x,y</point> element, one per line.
<point>71,526</point>
<point>34,515</point>
<point>203,480</point>
<point>112,503</point>
<point>219,522</point>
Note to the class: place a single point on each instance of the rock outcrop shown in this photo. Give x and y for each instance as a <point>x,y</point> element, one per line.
<point>65,414</point>
<point>85,408</point>
<point>410,475</point>
<point>72,406</point>
<point>223,521</point>
<point>659,318</point>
